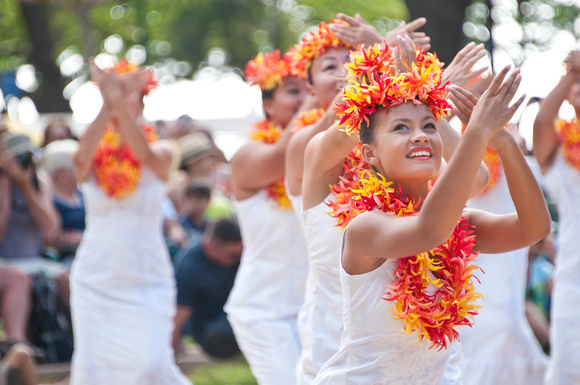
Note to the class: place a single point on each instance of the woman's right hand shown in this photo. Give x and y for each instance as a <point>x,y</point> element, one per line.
<point>493,111</point>
<point>573,61</point>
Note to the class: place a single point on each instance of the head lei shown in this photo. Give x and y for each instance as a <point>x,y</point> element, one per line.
<point>372,85</point>
<point>312,46</point>
<point>268,70</point>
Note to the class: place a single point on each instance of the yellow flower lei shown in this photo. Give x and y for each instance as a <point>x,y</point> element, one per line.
<point>570,137</point>
<point>117,170</point>
<point>267,132</point>
<point>307,118</point>
<point>449,268</point>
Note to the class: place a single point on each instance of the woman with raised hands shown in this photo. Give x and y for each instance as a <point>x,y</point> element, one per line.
<point>557,149</point>
<point>500,348</point>
<point>122,283</point>
<point>269,287</point>
<point>407,258</point>
<point>332,168</point>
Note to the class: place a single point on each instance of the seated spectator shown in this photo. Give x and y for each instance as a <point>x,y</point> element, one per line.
<point>195,204</point>
<point>57,163</point>
<point>205,276</point>
<point>27,216</point>
<point>56,129</point>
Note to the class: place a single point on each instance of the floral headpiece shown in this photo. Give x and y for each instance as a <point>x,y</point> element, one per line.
<point>124,66</point>
<point>421,84</point>
<point>312,46</point>
<point>267,70</point>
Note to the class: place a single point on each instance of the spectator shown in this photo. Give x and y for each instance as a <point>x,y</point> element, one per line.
<point>57,163</point>
<point>195,204</point>
<point>205,276</point>
<point>56,129</point>
<point>27,216</point>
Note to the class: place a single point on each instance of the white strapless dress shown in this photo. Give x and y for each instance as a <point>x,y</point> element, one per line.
<point>123,291</point>
<point>500,348</point>
<point>564,369</point>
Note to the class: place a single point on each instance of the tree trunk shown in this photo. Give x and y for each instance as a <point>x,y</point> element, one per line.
<point>48,97</point>
<point>444,24</point>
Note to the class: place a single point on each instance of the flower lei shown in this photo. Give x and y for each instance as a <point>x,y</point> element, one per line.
<point>343,206</point>
<point>307,118</point>
<point>312,46</point>
<point>448,267</point>
<point>570,138</point>
<point>268,70</point>
<point>421,84</point>
<point>117,170</point>
<point>267,132</point>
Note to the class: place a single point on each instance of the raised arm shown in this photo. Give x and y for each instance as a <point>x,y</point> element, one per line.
<point>88,143</point>
<point>531,222</point>
<point>546,141</point>
<point>373,236</point>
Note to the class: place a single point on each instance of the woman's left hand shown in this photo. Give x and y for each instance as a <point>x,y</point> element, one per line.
<point>459,71</point>
<point>358,31</point>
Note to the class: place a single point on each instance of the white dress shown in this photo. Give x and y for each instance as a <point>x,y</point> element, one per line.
<point>564,369</point>
<point>269,289</point>
<point>323,304</point>
<point>123,291</point>
<point>372,352</point>
<point>500,348</point>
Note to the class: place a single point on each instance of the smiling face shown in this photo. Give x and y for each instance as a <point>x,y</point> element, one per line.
<point>285,101</point>
<point>327,75</point>
<point>405,145</point>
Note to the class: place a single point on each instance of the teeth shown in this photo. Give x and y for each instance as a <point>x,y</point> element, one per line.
<point>419,153</point>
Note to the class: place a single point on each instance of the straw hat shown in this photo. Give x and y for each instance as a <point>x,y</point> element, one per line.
<point>58,155</point>
<point>193,147</point>
<point>16,144</point>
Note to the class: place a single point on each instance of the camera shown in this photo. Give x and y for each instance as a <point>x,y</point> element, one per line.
<point>25,159</point>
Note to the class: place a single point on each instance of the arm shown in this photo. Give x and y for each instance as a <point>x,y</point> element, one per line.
<point>83,157</point>
<point>546,141</point>
<point>374,236</point>
<point>323,161</point>
<point>297,147</point>
<point>530,223</point>
<point>182,315</point>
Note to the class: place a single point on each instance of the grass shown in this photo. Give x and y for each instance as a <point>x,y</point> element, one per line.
<point>231,372</point>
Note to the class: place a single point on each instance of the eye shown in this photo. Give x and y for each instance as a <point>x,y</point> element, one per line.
<point>294,91</point>
<point>329,67</point>
<point>400,127</point>
<point>430,126</point>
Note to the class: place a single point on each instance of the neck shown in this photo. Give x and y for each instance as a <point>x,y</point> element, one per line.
<point>64,192</point>
<point>413,189</point>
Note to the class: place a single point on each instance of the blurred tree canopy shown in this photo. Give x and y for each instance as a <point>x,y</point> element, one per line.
<point>176,36</point>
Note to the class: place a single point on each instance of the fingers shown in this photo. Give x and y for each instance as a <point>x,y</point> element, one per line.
<point>349,19</point>
<point>497,81</point>
<point>510,85</point>
<point>463,106</point>
<point>468,96</point>
<point>512,110</point>
<point>415,24</point>
<point>346,36</point>
<point>361,20</point>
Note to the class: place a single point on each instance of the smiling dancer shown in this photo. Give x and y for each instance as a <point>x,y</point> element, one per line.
<point>269,288</point>
<point>430,293</point>
<point>557,149</point>
<point>122,285</point>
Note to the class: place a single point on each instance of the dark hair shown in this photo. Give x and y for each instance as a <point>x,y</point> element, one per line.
<point>225,231</point>
<point>54,123</point>
<point>198,190</point>
<point>367,131</point>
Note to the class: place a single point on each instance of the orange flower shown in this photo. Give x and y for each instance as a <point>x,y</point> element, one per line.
<point>312,46</point>
<point>448,269</point>
<point>268,70</point>
<point>267,132</point>
<point>307,118</point>
<point>492,161</point>
<point>421,84</point>
<point>570,138</point>
<point>117,170</point>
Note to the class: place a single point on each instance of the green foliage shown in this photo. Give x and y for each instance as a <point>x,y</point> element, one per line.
<point>235,372</point>
<point>14,45</point>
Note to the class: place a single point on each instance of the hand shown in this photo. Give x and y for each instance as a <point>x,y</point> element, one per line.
<point>492,111</point>
<point>108,82</point>
<point>464,102</point>
<point>419,38</point>
<point>71,237</point>
<point>310,102</point>
<point>501,139</point>
<point>405,54</point>
<point>478,85</point>
<point>459,71</point>
<point>573,62</point>
<point>20,176</point>
<point>357,32</point>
